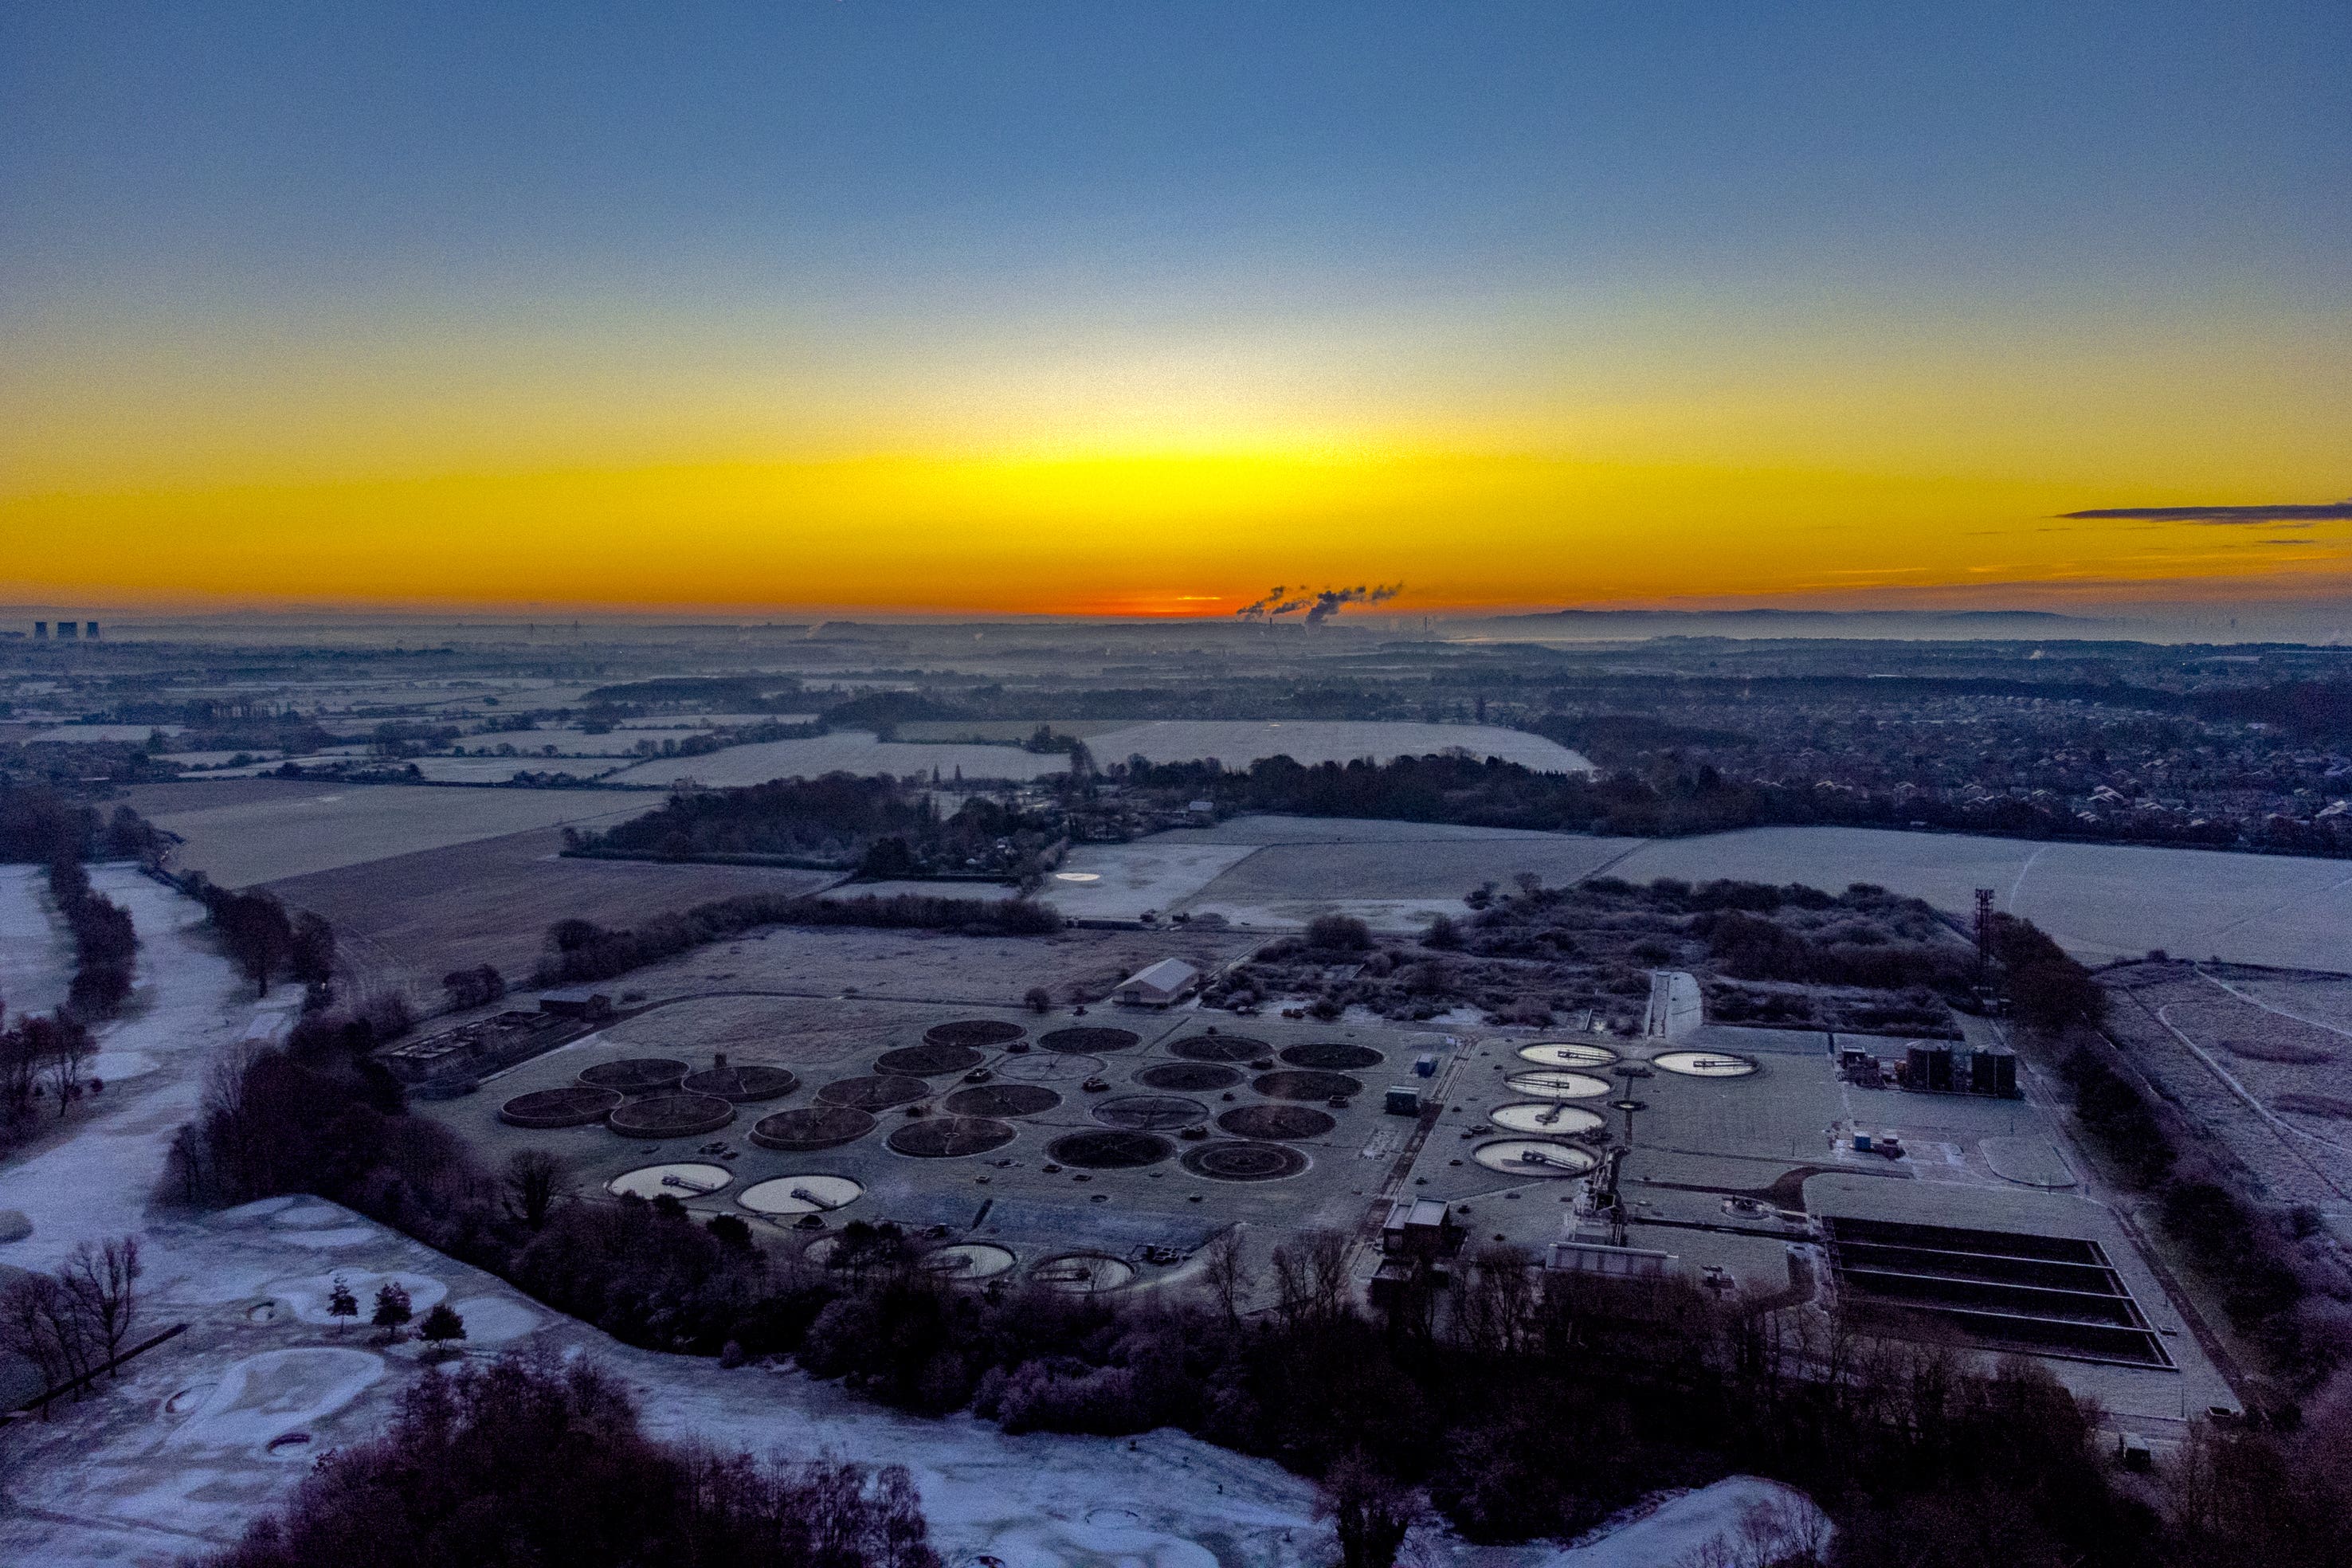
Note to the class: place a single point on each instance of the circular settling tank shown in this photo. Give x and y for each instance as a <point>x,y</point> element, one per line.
<point>1109,1151</point>
<point>876,1093</point>
<point>1082,1040</point>
<point>1239,1160</point>
<point>1082,1273</point>
<point>1703,1064</point>
<point>974,1032</point>
<point>1534,1157</point>
<point>1194,1077</point>
<point>1333,1056</point>
<point>1039,1068</point>
<point>670,1116</point>
<point>800,1194</point>
<point>689,1179</point>
<point>1151,1112</point>
<point>951,1137</point>
<point>1304,1083</point>
<point>1567,1054</point>
<point>1002,1099</point>
<point>743,1086</point>
<point>575,1106</point>
<point>635,1075</point>
<point>1221,1048</point>
<point>928,1060</point>
<point>1277,1122</point>
<point>1557,1083</point>
<point>966,1260</point>
<point>1555,1117</point>
<point>818,1127</point>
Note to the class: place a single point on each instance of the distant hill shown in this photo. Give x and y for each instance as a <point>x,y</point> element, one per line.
<point>1764,622</point>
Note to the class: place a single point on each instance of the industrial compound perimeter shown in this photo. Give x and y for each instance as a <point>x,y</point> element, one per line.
<point>1103,1153</point>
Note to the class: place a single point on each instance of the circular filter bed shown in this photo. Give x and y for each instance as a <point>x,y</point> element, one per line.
<point>929,1061</point>
<point>1109,1151</point>
<point>1333,1056</point>
<point>688,1180</point>
<point>951,1137</point>
<point>1703,1064</point>
<point>1221,1048</point>
<point>876,1093</point>
<point>1557,1083</point>
<point>1151,1112</point>
<point>635,1075</point>
<point>1002,1099</point>
<point>1567,1054</point>
<point>1301,1083</point>
<point>966,1260</point>
<point>743,1086</point>
<point>1277,1122</point>
<point>974,1032</point>
<point>1198,1077</point>
<point>1534,1157</point>
<point>800,1194</point>
<point>1071,1042</point>
<point>1036,1068</point>
<point>826,1127</point>
<point>670,1116</point>
<point>1082,1273</point>
<point>573,1106</point>
<point>1555,1117</point>
<point>1245,1160</point>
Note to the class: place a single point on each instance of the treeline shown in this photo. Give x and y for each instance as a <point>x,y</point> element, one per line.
<point>838,815</point>
<point>262,939</point>
<point>582,950</point>
<point>530,1461</point>
<point>105,945</point>
<point>2282,1298</point>
<point>1520,1411</point>
<point>41,826</point>
<point>1667,802</point>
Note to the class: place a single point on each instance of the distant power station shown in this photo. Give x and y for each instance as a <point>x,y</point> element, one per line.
<point>68,631</point>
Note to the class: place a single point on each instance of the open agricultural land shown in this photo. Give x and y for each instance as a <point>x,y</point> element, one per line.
<point>264,830</point>
<point>2101,901</point>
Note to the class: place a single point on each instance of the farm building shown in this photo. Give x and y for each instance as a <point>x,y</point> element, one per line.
<point>1158,985</point>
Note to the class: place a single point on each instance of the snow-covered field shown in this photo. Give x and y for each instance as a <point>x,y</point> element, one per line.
<point>218,1425</point>
<point>317,827</point>
<point>35,958</point>
<point>845,751</point>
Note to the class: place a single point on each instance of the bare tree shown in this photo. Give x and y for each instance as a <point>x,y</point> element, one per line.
<point>1331,1291</point>
<point>39,1322</point>
<point>534,1178</point>
<point>1225,1270</point>
<point>72,1049</point>
<point>101,1283</point>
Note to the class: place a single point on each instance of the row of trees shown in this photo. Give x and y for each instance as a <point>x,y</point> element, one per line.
<point>580,950</point>
<point>105,944</point>
<point>529,1461</point>
<point>74,1322</point>
<point>263,939</point>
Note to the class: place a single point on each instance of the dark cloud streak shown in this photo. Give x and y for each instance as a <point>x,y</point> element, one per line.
<point>2330,512</point>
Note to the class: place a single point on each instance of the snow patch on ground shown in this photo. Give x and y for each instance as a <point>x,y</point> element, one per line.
<point>35,958</point>
<point>1685,1525</point>
<point>264,1397</point>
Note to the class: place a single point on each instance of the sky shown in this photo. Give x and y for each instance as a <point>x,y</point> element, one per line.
<point>1140,308</point>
